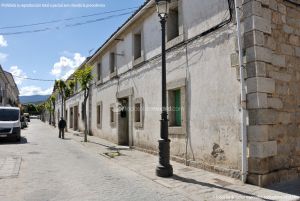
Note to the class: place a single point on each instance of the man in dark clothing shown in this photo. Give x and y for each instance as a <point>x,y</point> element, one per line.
<point>61,126</point>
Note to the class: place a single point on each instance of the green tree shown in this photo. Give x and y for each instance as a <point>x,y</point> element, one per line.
<point>48,107</point>
<point>53,99</point>
<point>67,92</point>
<point>61,86</point>
<point>31,109</point>
<point>84,77</point>
<point>41,110</point>
<point>71,86</point>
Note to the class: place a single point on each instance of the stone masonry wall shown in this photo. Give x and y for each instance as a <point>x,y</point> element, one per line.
<point>271,43</point>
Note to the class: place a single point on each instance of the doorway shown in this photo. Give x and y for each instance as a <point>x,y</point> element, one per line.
<point>66,116</point>
<point>123,122</point>
<point>75,118</point>
<point>71,117</point>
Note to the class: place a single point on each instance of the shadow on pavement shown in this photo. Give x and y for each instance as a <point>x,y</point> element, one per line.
<point>291,187</point>
<point>193,181</point>
<point>12,141</point>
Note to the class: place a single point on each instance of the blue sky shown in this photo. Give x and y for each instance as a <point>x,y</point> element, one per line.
<point>55,53</point>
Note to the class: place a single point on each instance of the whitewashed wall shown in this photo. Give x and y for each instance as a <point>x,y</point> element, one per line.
<point>212,88</point>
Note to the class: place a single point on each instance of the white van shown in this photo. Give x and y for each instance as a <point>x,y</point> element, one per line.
<point>10,125</point>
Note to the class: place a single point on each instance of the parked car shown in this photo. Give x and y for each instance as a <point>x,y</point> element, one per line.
<point>26,115</point>
<point>33,117</point>
<point>10,123</point>
<point>23,122</point>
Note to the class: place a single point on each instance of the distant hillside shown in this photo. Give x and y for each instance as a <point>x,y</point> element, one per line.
<point>36,99</point>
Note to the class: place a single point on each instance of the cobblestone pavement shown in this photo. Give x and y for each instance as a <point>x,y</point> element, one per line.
<point>54,169</point>
<point>43,167</point>
<point>196,184</point>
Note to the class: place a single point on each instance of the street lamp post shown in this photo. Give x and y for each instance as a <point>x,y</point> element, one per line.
<point>164,169</point>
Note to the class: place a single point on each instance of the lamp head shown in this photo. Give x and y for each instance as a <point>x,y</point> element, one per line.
<point>162,8</point>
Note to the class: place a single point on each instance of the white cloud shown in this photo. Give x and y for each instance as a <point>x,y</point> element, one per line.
<point>34,71</point>
<point>66,66</point>
<point>68,74</point>
<point>3,42</point>
<point>34,90</point>
<point>18,73</point>
<point>3,57</point>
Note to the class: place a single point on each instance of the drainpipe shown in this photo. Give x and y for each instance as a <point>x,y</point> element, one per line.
<point>243,97</point>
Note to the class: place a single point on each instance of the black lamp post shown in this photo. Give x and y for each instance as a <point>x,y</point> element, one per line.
<point>164,169</point>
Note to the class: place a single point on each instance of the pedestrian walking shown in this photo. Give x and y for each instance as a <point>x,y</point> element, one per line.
<point>61,126</point>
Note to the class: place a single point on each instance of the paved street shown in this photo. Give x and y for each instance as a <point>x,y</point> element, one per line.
<point>54,169</point>
<point>43,167</point>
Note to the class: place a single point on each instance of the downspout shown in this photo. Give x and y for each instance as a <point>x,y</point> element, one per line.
<point>243,97</point>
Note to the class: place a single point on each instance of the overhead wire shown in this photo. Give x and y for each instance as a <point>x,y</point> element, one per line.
<point>68,25</point>
<point>65,26</point>
<point>65,19</point>
<point>28,78</point>
<point>69,19</point>
<point>35,79</point>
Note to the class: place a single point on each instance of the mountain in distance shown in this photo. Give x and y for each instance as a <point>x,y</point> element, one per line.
<point>35,99</point>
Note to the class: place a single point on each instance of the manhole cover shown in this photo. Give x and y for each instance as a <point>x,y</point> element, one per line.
<point>10,166</point>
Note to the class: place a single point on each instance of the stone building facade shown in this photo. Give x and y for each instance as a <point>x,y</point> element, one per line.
<point>271,43</point>
<point>203,82</point>
<point>9,93</point>
<point>3,81</point>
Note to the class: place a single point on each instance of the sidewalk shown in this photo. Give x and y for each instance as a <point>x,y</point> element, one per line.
<point>193,183</point>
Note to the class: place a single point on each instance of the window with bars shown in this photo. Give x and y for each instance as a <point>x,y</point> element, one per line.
<point>137,108</point>
<point>177,98</point>
<point>139,113</point>
<point>112,119</point>
<point>99,115</point>
<point>137,45</point>
<point>99,71</point>
<point>112,62</point>
<point>175,108</point>
<point>173,22</point>
<point>112,114</point>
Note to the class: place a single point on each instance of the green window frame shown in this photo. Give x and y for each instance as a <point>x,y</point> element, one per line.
<point>177,107</point>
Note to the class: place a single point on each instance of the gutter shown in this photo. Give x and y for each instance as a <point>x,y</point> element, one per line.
<point>243,114</point>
